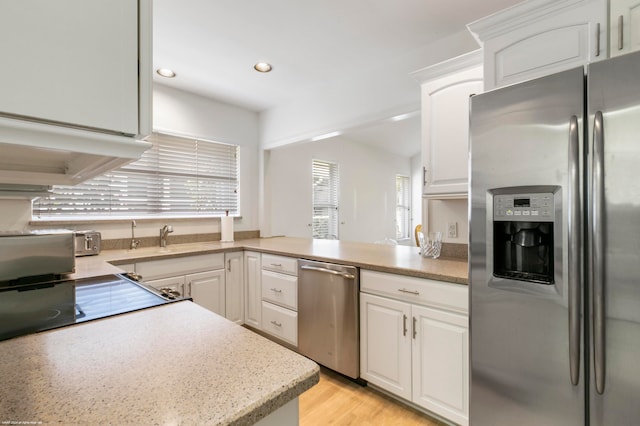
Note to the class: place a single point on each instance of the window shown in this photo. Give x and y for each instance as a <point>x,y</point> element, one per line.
<point>326,181</point>
<point>178,177</point>
<point>403,209</point>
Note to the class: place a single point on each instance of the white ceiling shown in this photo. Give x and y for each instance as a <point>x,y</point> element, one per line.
<point>213,44</point>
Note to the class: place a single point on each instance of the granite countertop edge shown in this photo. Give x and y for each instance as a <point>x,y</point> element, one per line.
<point>261,409</point>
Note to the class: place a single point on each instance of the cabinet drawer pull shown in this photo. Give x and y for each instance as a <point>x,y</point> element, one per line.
<point>276,323</point>
<point>404,290</point>
<point>277,265</point>
<point>404,325</point>
<point>620,31</point>
<point>276,290</point>
<point>414,327</point>
<point>598,39</point>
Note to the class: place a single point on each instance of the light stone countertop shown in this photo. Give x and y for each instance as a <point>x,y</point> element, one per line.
<point>402,260</point>
<point>172,364</point>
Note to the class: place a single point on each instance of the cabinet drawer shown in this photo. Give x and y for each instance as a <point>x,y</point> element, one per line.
<point>179,266</point>
<point>280,289</point>
<point>286,265</point>
<point>440,294</point>
<point>280,322</point>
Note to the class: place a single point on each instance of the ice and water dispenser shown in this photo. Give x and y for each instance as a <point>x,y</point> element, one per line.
<point>523,226</point>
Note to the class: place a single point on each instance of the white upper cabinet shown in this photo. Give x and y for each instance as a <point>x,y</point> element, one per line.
<point>540,37</point>
<point>446,88</point>
<point>71,61</point>
<point>76,79</point>
<point>624,26</point>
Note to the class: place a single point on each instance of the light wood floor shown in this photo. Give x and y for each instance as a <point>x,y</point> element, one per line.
<point>338,401</point>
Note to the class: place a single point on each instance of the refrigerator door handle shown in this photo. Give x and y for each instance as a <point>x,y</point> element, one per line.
<point>575,245</point>
<point>597,252</point>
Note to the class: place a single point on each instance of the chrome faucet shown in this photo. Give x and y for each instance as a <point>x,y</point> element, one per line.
<point>134,243</point>
<point>164,231</point>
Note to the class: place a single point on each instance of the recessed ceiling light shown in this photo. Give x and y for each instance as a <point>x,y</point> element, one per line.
<point>166,72</point>
<point>262,67</point>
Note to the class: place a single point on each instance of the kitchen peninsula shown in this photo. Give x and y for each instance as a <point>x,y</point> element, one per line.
<point>180,363</point>
<point>174,364</point>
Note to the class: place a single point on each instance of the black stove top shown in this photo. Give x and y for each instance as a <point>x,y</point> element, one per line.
<point>112,295</point>
<point>29,308</point>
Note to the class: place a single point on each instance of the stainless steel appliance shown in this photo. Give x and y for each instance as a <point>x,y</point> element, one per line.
<point>88,243</point>
<point>36,253</point>
<point>37,293</point>
<point>328,328</point>
<point>554,249</point>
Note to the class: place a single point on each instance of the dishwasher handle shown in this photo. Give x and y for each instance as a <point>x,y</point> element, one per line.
<point>329,271</point>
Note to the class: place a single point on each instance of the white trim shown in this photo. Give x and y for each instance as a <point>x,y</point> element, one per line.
<point>459,63</point>
<point>524,13</point>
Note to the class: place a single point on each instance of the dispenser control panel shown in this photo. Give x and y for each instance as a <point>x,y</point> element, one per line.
<point>538,207</point>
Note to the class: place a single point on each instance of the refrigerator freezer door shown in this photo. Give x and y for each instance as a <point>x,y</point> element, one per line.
<point>614,225</point>
<point>521,369</point>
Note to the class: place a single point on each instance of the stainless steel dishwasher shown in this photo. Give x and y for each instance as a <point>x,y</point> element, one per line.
<point>328,319</point>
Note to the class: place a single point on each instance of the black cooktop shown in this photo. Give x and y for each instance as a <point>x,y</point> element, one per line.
<point>112,295</point>
<point>29,308</point>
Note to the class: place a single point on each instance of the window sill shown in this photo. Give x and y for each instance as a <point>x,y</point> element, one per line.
<point>89,221</point>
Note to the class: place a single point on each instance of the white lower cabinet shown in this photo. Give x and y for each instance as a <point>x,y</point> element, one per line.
<point>412,345</point>
<point>201,277</point>
<point>207,289</point>
<point>234,285</point>
<point>385,344</point>
<point>252,289</point>
<point>279,297</point>
<point>440,359</point>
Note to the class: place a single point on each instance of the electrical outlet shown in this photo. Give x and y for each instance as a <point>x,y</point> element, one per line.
<point>452,229</point>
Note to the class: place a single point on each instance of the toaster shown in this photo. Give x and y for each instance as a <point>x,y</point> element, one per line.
<point>87,243</point>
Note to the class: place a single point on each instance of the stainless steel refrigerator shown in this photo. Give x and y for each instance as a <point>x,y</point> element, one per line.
<point>555,249</point>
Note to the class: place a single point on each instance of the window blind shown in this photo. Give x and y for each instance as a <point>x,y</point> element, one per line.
<point>177,176</point>
<point>403,207</point>
<point>326,181</point>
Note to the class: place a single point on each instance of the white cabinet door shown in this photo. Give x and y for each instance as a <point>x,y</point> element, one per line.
<point>252,289</point>
<point>441,363</point>
<point>234,287</point>
<point>385,344</point>
<point>208,290</point>
<point>445,131</point>
<point>624,26</point>
<point>71,61</point>
<point>537,38</point>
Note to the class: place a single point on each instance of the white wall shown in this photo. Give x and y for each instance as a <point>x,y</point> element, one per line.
<point>359,98</point>
<point>188,114</point>
<point>367,188</point>
<point>442,211</point>
<point>416,191</point>
<point>181,113</point>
